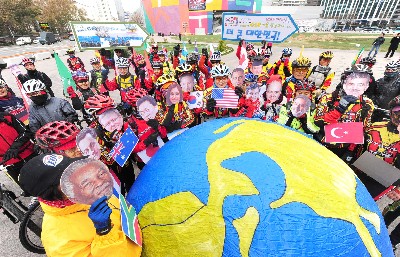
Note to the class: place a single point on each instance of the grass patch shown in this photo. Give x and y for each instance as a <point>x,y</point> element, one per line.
<point>334,40</point>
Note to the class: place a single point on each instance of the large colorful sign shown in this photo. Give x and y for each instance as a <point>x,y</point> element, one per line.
<point>92,35</point>
<point>256,27</point>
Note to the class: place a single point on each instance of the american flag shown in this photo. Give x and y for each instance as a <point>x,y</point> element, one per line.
<point>225,97</point>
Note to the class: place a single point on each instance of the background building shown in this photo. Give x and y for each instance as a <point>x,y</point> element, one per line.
<point>102,10</point>
<point>373,12</point>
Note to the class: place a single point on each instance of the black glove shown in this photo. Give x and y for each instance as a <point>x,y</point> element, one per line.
<point>102,52</point>
<point>210,105</point>
<point>345,101</point>
<point>204,52</point>
<point>241,42</point>
<point>76,103</point>
<point>239,91</point>
<point>10,153</point>
<point>153,123</point>
<point>152,139</point>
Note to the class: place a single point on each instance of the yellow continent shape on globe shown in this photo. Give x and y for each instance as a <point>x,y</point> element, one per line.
<point>317,179</point>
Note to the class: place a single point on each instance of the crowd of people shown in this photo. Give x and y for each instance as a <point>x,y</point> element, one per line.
<point>156,95</point>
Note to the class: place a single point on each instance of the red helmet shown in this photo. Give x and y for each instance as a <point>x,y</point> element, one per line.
<point>26,61</point>
<point>304,85</point>
<point>98,104</point>
<point>135,94</point>
<point>138,58</point>
<point>57,135</point>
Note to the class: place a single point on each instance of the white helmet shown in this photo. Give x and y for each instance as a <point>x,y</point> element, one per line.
<point>220,70</point>
<point>122,62</point>
<point>3,83</point>
<point>33,85</point>
<point>94,60</point>
<point>216,56</point>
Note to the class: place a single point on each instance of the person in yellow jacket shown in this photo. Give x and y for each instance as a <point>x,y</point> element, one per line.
<point>298,115</point>
<point>300,67</point>
<point>71,229</point>
<point>283,66</point>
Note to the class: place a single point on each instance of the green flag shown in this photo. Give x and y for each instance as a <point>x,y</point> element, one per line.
<point>65,74</point>
<point>149,27</point>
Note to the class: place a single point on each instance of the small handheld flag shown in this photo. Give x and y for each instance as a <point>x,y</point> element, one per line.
<point>124,147</point>
<point>129,221</point>
<point>225,97</point>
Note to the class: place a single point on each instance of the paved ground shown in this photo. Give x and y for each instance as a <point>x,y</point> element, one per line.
<point>9,244</point>
<point>14,50</point>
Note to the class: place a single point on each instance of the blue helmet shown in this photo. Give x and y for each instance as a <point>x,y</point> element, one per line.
<point>250,77</point>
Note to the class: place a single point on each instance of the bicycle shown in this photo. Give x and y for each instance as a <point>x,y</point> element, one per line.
<point>30,217</point>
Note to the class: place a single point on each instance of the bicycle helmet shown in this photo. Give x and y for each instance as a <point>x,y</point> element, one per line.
<point>157,65</point>
<point>165,78</point>
<point>57,135</point>
<point>26,61</point>
<point>250,77</point>
<point>392,69</point>
<point>70,51</point>
<point>154,45</point>
<point>94,60</point>
<point>80,75</point>
<point>301,62</point>
<point>134,95</point>
<point>97,104</point>
<point>160,52</point>
<point>215,57</point>
<point>326,54</point>
<point>220,70</point>
<point>183,68</point>
<point>122,62</point>
<point>263,78</point>
<point>33,85</point>
<point>359,68</point>
<point>138,58</point>
<point>304,85</point>
<point>368,60</point>
<point>3,83</point>
<point>192,58</point>
<point>287,51</point>
<point>267,52</point>
<point>392,65</point>
<point>249,47</point>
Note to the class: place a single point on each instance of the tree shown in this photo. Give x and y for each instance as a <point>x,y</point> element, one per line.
<point>137,17</point>
<point>18,16</point>
<point>59,13</point>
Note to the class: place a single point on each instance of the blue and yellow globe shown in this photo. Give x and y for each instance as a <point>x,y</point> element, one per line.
<point>238,187</point>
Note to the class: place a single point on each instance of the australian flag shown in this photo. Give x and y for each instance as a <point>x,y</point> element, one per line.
<point>124,147</point>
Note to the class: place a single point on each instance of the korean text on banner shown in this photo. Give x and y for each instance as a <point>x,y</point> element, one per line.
<point>257,27</point>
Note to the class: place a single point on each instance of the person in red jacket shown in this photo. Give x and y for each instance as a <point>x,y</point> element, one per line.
<point>146,127</point>
<point>74,63</point>
<point>16,147</point>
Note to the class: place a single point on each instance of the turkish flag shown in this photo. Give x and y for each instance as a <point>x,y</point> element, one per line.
<point>346,132</point>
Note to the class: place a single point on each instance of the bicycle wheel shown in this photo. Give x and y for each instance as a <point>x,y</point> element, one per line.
<point>31,229</point>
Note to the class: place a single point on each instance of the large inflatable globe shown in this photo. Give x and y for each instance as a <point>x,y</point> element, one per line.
<point>237,187</point>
